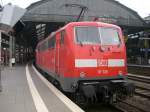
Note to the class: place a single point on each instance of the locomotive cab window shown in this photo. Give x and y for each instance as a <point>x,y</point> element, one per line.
<point>97,35</point>
<point>62,37</point>
<point>109,36</point>
<point>87,35</point>
<point>51,42</point>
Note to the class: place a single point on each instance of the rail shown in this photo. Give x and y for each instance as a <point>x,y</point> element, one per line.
<point>141,66</point>
<point>141,91</point>
<point>126,106</point>
<point>139,78</point>
<point>140,102</point>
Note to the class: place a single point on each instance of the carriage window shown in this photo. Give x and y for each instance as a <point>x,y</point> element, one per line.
<point>51,42</point>
<point>62,37</point>
<point>87,35</point>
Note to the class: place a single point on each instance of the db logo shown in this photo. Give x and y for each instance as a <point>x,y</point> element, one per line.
<point>102,62</point>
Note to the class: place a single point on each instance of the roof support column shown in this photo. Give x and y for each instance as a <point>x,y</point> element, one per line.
<point>10,50</point>
<point>146,49</point>
<point>0,60</point>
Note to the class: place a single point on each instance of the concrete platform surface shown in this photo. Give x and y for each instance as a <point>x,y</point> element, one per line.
<point>15,96</point>
<point>25,91</point>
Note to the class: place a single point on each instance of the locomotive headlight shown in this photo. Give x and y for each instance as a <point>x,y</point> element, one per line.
<point>120,73</point>
<point>82,74</point>
<point>74,85</point>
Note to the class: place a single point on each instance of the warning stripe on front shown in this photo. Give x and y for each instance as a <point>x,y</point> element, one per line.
<point>85,63</point>
<point>99,62</point>
<point>116,63</point>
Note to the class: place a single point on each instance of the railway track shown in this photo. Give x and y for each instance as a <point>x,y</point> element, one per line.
<point>144,79</point>
<point>141,101</point>
<point>139,69</point>
<point>101,108</point>
<point>128,106</point>
<point>141,91</point>
<point>133,105</point>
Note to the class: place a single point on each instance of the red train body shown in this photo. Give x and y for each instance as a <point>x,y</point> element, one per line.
<point>86,55</point>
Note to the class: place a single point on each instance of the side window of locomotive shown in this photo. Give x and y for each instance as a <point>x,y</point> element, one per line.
<point>43,46</point>
<point>40,48</point>
<point>51,42</point>
<point>46,45</point>
<point>62,37</point>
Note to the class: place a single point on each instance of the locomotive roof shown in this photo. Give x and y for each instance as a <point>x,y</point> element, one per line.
<point>85,23</point>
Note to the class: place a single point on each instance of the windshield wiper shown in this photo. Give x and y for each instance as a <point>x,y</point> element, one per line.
<point>81,43</point>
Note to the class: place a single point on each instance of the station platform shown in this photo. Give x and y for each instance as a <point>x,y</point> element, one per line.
<point>26,90</point>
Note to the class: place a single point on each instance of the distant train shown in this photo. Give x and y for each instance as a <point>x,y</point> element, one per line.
<point>87,59</point>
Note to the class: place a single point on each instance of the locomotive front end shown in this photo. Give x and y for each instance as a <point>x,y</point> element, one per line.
<point>100,62</point>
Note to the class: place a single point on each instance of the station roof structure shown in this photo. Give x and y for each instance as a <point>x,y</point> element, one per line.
<point>46,16</point>
<point>147,19</point>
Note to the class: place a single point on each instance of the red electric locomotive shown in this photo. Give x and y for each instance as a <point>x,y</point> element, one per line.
<point>88,58</point>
